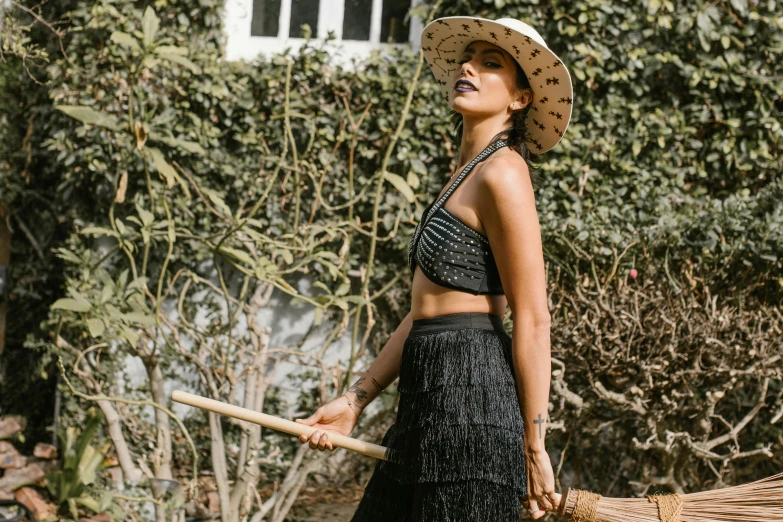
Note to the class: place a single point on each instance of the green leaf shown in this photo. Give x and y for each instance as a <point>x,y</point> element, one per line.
<point>355,299</point>
<point>181,60</point>
<point>147,217</point>
<point>131,336</point>
<point>150,24</point>
<point>85,437</point>
<point>413,180</point>
<point>319,316</point>
<point>105,501</point>
<point>98,231</point>
<point>125,40</point>
<point>71,305</point>
<point>401,185</point>
<point>216,200</point>
<point>188,146</point>
<point>287,256</point>
<point>321,284</point>
<point>171,49</point>
<point>86,501</point>
<point>285,285</point>
<point>150,61</point>
<point>76,295</point>
<point>136,283</point>
<point>239,255</point>
<point>69,256</point>
<point>163,167</point>
<point>89,116</point>
<point>96,327</point>
<point>140,318</point>
<point>740,5</point>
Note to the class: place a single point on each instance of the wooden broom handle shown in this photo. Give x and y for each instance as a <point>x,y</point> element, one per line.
<point>277,423</point>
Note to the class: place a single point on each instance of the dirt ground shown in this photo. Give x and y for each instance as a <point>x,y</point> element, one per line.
<point>325,504</point>
<point>322,513</point>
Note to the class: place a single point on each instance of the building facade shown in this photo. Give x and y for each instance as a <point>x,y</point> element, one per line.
<point>269,26</point>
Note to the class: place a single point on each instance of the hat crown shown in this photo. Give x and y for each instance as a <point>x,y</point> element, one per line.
<point>522,27</point>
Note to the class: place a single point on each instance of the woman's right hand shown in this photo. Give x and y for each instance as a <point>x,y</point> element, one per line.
<point>337,416</point>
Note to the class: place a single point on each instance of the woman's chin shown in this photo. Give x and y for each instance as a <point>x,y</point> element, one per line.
<point>460,103</point>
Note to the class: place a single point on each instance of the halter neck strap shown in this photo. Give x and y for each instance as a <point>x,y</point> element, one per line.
<point>484,154</point>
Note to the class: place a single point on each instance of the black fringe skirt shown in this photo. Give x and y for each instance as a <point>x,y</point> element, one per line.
<point>457,440</point>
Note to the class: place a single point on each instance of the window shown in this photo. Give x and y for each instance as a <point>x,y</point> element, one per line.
<point>371,21</point>
<point>303,12</point>
<point>266,18</point>
<point>357,19</point>
<point>393,29</point>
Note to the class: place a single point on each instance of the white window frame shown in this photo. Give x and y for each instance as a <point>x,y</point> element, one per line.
<point>238,16</point>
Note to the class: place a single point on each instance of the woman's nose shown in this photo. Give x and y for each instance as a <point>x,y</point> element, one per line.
<point>465,68</point>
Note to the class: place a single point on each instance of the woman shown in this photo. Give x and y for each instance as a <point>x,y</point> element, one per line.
<point>468,439</point>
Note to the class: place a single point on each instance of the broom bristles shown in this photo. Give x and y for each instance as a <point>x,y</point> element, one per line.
<point>759,501</point>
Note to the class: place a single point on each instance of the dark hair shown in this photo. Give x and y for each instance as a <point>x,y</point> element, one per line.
<point>517,133</point>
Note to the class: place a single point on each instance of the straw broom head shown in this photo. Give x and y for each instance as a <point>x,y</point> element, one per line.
<point>760,501</point>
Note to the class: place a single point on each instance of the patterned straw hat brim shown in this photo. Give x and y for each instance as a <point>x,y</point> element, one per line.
<point>443,41</point>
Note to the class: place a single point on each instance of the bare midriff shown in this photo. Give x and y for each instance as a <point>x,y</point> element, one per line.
<point>429,299</point>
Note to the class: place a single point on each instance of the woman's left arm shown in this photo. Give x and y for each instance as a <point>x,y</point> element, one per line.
<point>508,214</point>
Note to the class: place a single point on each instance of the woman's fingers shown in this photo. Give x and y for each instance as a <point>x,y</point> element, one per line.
<point>314,439</point>
<point>323,439</point>
<point>545,503</point>
<point>539,505</point>
<point>535,511</point>
<point>309,421</point>
<point>318,440</point>
<point>312,419</point>
<point>555,499</point>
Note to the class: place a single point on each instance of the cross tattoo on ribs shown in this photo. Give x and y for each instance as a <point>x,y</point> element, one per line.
<point>540,422</point>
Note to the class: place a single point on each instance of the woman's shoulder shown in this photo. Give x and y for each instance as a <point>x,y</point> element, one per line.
<point>502,168</point>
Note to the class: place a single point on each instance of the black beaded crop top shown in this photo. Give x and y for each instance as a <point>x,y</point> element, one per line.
<point>451,253</point>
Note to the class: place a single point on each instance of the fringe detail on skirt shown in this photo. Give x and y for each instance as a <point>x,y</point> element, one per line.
<point>457,441</point>
<point>386,500</point>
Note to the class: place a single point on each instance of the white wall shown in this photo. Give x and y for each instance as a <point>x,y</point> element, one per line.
<point>240,45</point>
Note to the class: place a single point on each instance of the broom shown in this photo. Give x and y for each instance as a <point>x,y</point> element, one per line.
<point>760,501</point>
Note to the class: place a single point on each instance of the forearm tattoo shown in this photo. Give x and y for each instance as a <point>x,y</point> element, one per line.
<point>540,422</point>
<point>361,395</point>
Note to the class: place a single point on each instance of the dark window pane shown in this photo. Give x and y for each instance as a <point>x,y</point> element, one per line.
<point>303,12</point>
<point>266,18</point>
<point>356,19</point>
<point>392,27</point>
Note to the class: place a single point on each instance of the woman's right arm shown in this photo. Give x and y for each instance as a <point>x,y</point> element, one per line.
<point>383,370</point>
<point>342,414</point>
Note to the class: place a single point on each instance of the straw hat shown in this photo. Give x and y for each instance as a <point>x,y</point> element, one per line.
<point>443,41</point>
